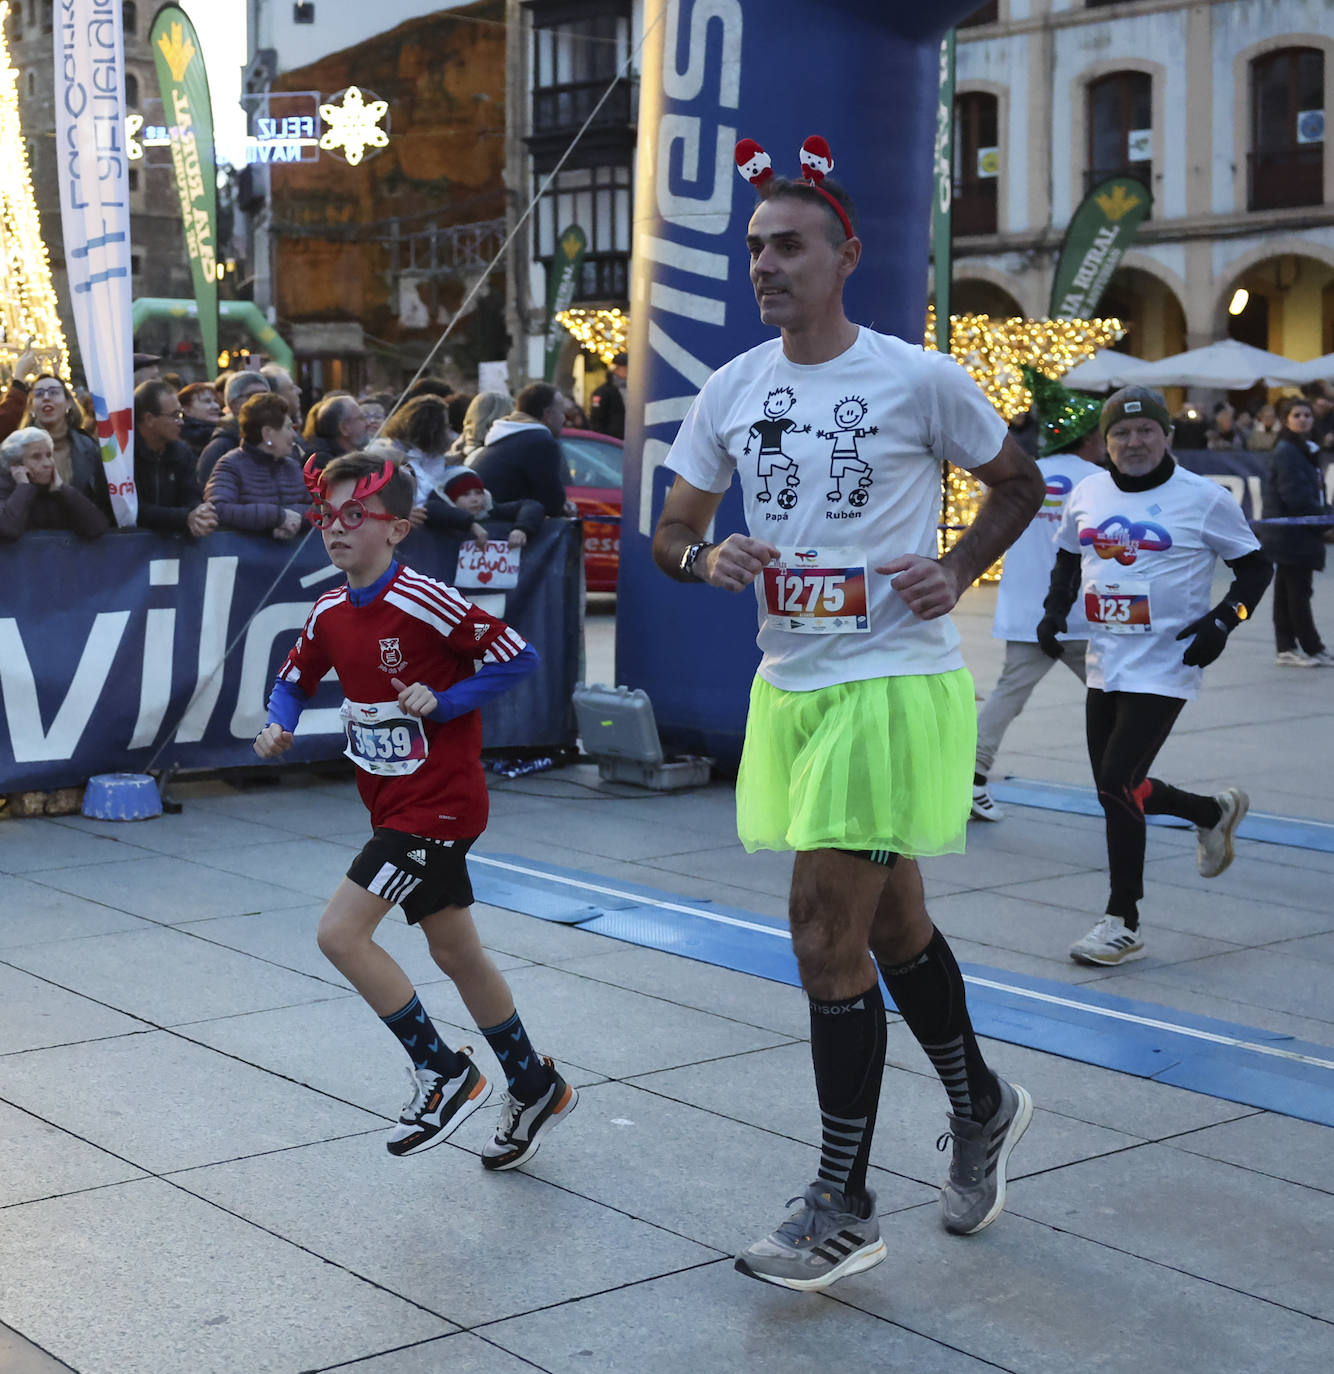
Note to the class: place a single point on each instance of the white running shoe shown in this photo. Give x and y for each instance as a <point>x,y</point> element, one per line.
<point>1213,847</point>
<point>984,805</point>
<point>1324,659</point>
<point>1294,658</point>
<point>439,1106</point>
<point>1111,941</point>
<point>523,1124</point>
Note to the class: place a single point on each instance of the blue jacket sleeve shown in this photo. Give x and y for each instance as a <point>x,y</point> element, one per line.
<point>490,680</point>
<point>286,703</point>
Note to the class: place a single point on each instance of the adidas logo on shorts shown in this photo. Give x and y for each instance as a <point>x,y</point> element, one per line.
<point>418,856</point>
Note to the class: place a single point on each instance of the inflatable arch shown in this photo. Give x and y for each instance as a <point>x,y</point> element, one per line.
<point>245,313</point>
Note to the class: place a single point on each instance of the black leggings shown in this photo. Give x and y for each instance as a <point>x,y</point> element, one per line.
<point>1125,732</point>
<point>1293,624</point>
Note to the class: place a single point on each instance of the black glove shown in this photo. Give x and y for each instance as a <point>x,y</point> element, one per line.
<point>1048,628</point>
<point>1211,631</point>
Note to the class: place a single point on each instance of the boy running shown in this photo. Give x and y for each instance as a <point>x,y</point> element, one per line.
<point>415,660</point>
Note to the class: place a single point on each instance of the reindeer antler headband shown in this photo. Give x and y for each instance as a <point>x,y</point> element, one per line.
<point>318,484</point>
<point>756,167</point>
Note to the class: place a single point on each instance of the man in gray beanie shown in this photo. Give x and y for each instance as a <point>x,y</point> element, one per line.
<point>1140,541</point>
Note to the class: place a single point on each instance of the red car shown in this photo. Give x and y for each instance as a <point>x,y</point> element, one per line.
<point>593,464</point>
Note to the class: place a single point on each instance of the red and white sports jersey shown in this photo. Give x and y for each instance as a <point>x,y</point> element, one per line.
<point>415,630</point>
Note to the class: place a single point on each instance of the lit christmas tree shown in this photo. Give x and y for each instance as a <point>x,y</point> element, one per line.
<point>27,298</point>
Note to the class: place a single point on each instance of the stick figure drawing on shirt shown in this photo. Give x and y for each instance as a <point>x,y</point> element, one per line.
<point>769,432</point>
<point>848,415</point>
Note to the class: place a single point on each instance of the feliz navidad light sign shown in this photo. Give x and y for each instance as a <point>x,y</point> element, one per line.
<point>296,126</point>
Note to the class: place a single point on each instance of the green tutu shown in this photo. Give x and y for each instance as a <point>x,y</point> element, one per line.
<point>882,764</point>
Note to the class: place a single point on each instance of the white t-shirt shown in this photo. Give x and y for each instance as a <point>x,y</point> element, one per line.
<point>1028,561</point>
<point>1147,562</point>
<point>839,465</point>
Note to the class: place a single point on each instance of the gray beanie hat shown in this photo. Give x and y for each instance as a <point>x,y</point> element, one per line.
<point>1134,400</point>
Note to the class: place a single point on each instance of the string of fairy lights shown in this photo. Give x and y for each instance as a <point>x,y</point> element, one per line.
<point>28,307</point>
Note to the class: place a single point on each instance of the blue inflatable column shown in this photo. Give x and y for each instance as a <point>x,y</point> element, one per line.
<point>864,74</point>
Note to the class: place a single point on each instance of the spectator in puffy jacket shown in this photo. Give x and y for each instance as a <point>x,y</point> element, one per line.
<point>462,486</point>
<point>522,457</point>
<point>53,407</point>
<point>259,487</point>
<point>241,386</point>
<point>33,495</point>
<point>1293,484</point>
<point>164,467</point>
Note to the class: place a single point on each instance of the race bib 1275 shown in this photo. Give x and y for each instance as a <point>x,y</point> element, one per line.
<point>817,591</point>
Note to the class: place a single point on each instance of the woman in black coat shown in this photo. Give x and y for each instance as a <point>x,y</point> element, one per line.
<point>1294,485</point>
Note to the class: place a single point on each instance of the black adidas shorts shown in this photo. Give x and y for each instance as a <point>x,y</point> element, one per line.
<point>420,875</point>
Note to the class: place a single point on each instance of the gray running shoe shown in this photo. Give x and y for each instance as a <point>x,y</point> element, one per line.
<point>1213,847</point>
<point>820,1243</point>
<point>974,1193</point>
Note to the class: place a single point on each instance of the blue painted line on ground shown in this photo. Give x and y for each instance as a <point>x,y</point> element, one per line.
<point>1224,1059</point>
<point>1297,832</point>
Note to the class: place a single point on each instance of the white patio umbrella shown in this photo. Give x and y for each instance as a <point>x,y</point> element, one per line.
<point>1228,365</point>
<point>1102,372</point>
<point>1317,370</point>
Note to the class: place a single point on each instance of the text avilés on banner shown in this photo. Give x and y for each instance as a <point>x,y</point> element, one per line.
<point>183,83</point>
<point>1100,231</point>
<point>944,192</point>
<point>95,214</point>
<point>565,267</point>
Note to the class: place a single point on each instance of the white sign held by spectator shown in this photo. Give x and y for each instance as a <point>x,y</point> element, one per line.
<point>95,215</point>
<point>494,568</point>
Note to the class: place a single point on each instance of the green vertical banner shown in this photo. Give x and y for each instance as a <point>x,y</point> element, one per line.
<point>944,191</point>
<point>188,113</point>
<point>1100,231</point>
<point>565,269</point>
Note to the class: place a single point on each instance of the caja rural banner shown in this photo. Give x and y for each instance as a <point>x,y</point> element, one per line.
<point>91,159</point>
<point>866,75</point>
<point>1100,232</point>
<point>565,268</point>
<point>104,647</point>
<point>183,83</point>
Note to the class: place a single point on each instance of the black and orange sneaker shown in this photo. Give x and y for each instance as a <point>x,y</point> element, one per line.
<point>523,1124</point>
<point>438,1108</point>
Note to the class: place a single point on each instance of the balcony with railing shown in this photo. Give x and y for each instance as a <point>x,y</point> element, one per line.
<point>1280,178</point>
<point>604,280</point>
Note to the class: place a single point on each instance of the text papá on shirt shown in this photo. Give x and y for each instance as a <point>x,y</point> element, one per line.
<point>495,567</point>
<point>817,591</point>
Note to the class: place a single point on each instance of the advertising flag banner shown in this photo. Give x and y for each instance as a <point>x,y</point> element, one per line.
<point>944,191</point>
<point>95,215</point>
<point>1100,231</point>
<point>183,83</point>
<point>565,269</point>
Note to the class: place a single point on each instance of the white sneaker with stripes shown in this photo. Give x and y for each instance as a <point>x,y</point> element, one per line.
<point>1111,941</point>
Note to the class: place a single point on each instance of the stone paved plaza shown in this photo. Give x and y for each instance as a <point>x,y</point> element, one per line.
<point>193,1103</point>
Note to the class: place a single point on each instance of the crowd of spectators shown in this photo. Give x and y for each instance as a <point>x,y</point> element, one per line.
<point>229,454</point>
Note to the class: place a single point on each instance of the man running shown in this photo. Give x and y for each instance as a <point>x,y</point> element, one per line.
<point>1140,541</point>
<point>859,744</point>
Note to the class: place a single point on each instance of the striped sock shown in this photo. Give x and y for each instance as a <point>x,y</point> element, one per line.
<point>425,1045</point>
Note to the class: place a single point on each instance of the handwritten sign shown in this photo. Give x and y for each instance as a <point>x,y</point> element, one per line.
<point>494,568</point>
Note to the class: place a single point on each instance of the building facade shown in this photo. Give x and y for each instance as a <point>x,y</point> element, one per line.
<point>1220,108</point>
<point>158,262</point>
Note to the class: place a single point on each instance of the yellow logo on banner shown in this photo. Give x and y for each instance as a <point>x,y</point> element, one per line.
<point>1118,204</point>
<point>177,53</point>
<point>570,243</point>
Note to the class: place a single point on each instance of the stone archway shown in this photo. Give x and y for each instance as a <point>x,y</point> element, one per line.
<point>1289,303</point>
<point>1151,311</point>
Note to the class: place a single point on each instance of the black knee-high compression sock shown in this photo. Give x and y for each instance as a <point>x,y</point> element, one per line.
<point>848,1051</point>
<point>424,1044</point>
<point>929,994</point>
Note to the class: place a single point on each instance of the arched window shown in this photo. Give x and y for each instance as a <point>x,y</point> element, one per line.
<point>129,18</point>
<point>131,91</point>
<point>1120,128</point>
<point>976,164</point>
<point>1287,129</point>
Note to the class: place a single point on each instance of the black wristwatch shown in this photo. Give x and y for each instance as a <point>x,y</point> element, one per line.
<point>690,557</point>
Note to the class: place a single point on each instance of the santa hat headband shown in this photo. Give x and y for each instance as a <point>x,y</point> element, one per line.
<point>756,167</point>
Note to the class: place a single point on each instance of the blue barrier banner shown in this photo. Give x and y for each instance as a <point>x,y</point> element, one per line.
<point>104,647</point>
<point>863,73</point>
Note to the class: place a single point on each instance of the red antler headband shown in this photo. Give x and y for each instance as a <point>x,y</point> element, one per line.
<point>318,485</point>
<point>756,167</point>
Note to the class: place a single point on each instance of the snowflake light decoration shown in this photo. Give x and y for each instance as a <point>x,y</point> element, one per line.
<point>354,125</point>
